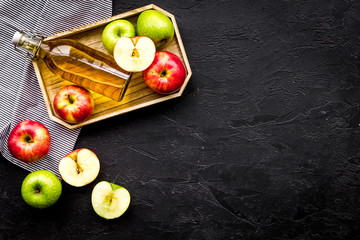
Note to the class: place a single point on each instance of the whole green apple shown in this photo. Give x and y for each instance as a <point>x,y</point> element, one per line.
<point>115,30</point>
<point>155,25</point>
<point>41,189</point>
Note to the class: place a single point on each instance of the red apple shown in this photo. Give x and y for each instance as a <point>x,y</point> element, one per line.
<point>74,104</point>
<point>29,141</point>
<point>166,73</point>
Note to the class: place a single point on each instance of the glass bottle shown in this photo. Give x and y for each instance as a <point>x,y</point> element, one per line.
<point>76,62</point>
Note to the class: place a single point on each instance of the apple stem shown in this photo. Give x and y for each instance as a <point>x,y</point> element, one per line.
<point>28,139</point>
<point>163,73</point>
<point>70,99</point>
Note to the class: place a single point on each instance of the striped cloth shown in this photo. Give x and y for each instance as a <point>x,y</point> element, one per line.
<point>20,95</point>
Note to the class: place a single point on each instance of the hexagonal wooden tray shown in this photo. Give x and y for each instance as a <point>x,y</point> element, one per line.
<point>137,95</point>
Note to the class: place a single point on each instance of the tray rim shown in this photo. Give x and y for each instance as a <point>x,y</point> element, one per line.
<point>46,97</point>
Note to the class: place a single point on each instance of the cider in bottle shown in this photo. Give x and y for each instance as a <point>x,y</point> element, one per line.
<point>76,62</point>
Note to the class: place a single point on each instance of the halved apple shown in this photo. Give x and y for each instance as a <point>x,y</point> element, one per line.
<point>134,54</point>
<point>110,200</point>
<point>80,167</point>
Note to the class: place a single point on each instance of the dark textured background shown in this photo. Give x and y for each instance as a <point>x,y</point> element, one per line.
<point>264,143</point>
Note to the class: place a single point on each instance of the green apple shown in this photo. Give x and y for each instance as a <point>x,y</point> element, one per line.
<point>155,25</point>
<point>41,189</point>
<point>115,30</point>
<point>110,200</point>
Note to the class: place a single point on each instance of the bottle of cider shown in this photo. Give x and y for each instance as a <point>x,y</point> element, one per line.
<point>76,62</point>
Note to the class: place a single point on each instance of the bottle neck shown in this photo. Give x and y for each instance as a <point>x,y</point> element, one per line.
<point>27,44</point>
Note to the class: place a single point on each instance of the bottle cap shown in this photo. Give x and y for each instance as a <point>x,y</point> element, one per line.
<point>16,38</point>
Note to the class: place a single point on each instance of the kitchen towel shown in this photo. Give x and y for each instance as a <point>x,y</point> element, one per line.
<point>20,95</point>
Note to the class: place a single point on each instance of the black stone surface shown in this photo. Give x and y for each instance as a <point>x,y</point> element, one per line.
<point>264,143</point>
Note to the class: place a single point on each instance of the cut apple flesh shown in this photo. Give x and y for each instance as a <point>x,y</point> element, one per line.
<point>134,54</point>
<point>80,170</point>
<point>109,200</point>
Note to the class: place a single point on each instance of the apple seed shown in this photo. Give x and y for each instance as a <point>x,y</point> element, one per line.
<point>135,53</point>
<point>109,198</point>
<point>78,168</point>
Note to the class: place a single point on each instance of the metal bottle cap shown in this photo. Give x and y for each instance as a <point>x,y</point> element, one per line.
<point>29,36</point>
<point>16,38</point>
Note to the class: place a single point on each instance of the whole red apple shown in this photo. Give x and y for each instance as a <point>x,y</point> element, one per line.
<point>166,74</point>
<point>74,104</point>
<point>29,141</point>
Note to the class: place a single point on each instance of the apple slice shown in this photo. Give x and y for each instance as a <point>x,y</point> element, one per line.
<point>110,200</point>
<point>80,167</point>
<point>134,54</point>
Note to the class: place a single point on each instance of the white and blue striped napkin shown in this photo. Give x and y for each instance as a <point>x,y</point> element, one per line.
<point>20,95</point>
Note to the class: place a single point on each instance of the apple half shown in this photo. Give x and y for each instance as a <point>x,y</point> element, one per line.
<point>134,54</point>
<point>110,200</point>
<point>80,167</point>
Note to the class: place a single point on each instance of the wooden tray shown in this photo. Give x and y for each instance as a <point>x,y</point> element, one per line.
<point>138,95</point>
